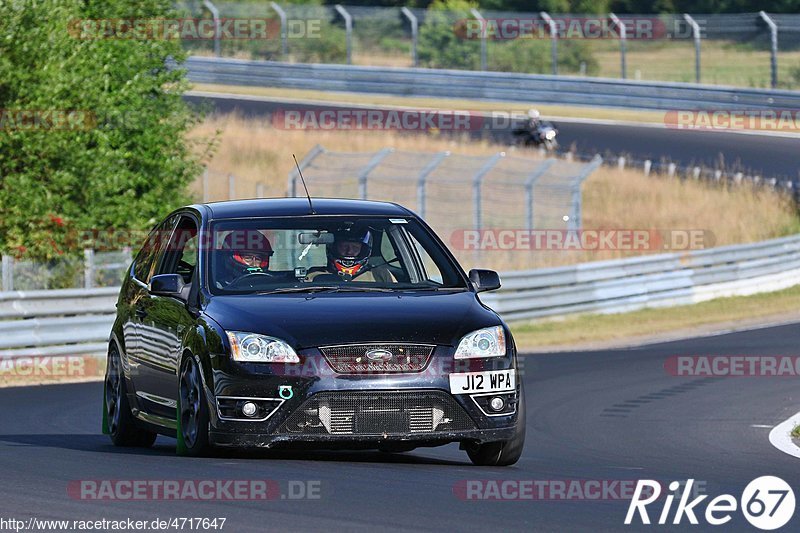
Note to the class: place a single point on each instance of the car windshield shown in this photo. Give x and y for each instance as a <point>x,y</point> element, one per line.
<point>317,253</point>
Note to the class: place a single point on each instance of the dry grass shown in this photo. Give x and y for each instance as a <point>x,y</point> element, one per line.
<point>736,214</point>
<point>256,154</point>
<point>596,328</point>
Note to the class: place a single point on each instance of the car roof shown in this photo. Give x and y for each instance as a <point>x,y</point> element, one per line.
<point>267,207</point>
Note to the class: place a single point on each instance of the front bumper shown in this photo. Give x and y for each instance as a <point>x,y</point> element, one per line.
<point>356,410</point>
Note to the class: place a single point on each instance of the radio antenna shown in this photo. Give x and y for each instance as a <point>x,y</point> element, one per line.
<point>300,172</point>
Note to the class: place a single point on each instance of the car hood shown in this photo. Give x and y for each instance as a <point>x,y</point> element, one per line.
<point>323,319</point>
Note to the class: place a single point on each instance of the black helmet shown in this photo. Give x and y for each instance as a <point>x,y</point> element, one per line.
<point>341,261</point>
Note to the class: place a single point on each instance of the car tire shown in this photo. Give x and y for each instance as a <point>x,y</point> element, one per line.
<point>502,453</point>
<point>119,420</point>
<point>193,417</point>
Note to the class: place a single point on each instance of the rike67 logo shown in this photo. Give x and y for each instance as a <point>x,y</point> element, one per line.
<point>767,503</point>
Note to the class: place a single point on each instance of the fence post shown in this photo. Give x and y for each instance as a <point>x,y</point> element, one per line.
<point>8,273</point>
<point>554,39</point>
<point>479,17</point>
<point>88,268</point>
<point>284,29</point>
<point>423,177</point>
<point>529,184</point>
<point>477,180</point>
<point>217,27</point>
<point>412,18</point>
<point>696,34</point>
<point>231,187</point>
<point>348,26</point>
<point>205,185</point>
<point>773,31</point>
<point>291,190</point>
<point>623,43</point>
<point>374,162</point>
<point>575,221</point>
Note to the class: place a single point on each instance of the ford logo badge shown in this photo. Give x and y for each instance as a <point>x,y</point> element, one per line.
<point>379,355</point>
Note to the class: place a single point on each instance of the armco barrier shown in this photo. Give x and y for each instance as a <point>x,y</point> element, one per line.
<point>59,322</point>
<point>78,321</point>
<point>500,86</point>
<point>649,281</point>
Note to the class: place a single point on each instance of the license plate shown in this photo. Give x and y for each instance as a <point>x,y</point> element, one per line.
<point>491,381</point>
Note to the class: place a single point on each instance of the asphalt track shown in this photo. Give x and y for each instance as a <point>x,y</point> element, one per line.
<point>614,415</point>
<point>756,155</point>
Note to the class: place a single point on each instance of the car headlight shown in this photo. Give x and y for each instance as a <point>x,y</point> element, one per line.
<point>487,342</point>
<point>253,348</point>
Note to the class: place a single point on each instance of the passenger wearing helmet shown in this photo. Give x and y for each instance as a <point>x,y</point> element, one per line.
<point>245,252</point>
<point>349,258</point>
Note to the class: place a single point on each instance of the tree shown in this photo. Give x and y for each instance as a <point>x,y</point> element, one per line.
<point>122,159</point>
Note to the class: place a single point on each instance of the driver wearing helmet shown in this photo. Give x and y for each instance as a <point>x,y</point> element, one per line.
<point>349,258</point>
<point>245,252</point>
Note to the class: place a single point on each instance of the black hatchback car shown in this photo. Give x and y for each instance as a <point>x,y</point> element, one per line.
<point>342,323</point>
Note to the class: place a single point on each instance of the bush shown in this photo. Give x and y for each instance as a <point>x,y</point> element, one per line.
<point>535,56</point>
<point>442,44</point>
<point>127,164</point>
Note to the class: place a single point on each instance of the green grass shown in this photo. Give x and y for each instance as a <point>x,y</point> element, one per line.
<point>722,62</point>
<point>590,328</point>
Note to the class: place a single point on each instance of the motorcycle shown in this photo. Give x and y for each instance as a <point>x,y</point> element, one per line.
<point>544,134</point>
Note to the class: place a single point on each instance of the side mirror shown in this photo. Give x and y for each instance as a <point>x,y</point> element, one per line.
<point>484,280</point>
<point>167,285</point>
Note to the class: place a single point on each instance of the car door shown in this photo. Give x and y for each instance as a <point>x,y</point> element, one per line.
<point>166,320</point>
<point>143,268</point>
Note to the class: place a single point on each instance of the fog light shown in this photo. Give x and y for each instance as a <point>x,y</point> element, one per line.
<point>497,404</point>
<point>249,409</point>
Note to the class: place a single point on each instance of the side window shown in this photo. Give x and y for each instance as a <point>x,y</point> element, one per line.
<point>425,263</point>
<point>147,260</point>
<point>181,255</point>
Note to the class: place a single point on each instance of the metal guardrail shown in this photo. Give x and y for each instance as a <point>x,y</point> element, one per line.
<point>78,321</point>
<point>57,322</point>
<point>649,281</point>
<point>500,86</point>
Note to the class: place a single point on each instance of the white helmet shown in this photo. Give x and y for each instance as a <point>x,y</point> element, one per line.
<point>533,114</point>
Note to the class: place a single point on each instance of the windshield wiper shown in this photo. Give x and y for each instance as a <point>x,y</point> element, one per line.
<point>452,289</point>
<point>325,288</point>
<point>315,288</point>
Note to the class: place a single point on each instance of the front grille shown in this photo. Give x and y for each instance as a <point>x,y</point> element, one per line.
<point>378,358</point>
<point>378,413</point>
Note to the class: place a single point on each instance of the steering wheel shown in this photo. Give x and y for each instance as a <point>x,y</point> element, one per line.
<point>251,276</point>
